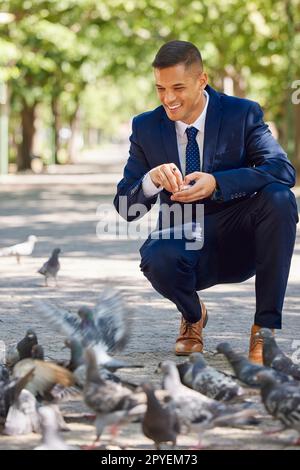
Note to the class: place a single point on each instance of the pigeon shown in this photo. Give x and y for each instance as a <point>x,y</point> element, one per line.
<point>274,357</point>
<point>160,423</point>
<point>51,267</point>
<point>78,367</point>
<point>105,328</point>
<point>22,417</point>
<point>26,344</point>
<point>211,382</point>
<point>282,401</point>
<point>46,375</point>
<point>112,403</point>
<point>4,374</point>
<point>24,349</point>
<point>245,370</point>
<point>10,391</point>
<point>51,440</point>
<point>185,373</point>
<point>21,249</point>
<point>195,410</point>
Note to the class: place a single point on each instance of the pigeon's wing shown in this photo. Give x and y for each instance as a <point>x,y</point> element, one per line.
<point>112,319</point>
<point>62,319</point>
<point>107,398</point>
<point>282,363</point>
<point>45,375</point>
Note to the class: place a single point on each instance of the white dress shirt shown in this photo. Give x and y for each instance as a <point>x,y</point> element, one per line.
<point>148,186</point>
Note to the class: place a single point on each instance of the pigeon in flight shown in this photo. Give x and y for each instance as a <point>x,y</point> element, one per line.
<point>274,357</point>
<point>51,267</point>
<point>78,367</point>
<point>245,370</point>
<point>105,327</point>
<point>21,249</point>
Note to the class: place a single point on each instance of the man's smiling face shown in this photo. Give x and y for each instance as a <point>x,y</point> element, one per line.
<point>180,90</point>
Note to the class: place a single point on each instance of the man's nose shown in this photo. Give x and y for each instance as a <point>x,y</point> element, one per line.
<point>170,97</point>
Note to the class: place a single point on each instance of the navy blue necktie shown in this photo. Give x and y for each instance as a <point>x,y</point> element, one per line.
<point>192,161</point>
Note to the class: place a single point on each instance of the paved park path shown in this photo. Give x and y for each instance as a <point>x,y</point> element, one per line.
<point>61,210</point>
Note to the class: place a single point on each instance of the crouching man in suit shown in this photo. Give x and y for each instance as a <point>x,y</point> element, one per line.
<point>204,147</point>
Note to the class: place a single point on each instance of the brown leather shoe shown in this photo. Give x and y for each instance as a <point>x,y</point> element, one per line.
<point>190,335</point>
<point>256,346</point>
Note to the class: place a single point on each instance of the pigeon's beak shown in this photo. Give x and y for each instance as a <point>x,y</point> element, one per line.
<point>216,353</point>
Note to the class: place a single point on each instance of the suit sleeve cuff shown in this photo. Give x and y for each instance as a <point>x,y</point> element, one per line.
<point>149,187</point>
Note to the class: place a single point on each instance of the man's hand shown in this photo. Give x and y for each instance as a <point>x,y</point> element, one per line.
<point>204,186</point>
<point>168,176</point>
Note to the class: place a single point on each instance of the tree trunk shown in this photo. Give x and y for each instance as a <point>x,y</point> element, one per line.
<point>56,126</point>
<point>73,141</point>
<point>28,131</point>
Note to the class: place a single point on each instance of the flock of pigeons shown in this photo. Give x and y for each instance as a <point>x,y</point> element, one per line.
<point>194,396</point>
<point>49,269</point>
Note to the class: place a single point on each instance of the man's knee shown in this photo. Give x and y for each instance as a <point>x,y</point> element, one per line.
<point>158,257</point>
<point>279,197</point>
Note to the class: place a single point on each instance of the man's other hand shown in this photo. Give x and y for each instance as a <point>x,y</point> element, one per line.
<point>204,186</point>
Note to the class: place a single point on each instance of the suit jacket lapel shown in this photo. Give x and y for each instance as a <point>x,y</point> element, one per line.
<point>169,139</point>
<point>212,127</point>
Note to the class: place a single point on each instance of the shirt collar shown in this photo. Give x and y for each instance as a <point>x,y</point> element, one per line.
<point>199,123</point>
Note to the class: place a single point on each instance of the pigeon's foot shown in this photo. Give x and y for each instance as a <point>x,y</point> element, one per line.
<point>114,430</point>
<point>94,446</point>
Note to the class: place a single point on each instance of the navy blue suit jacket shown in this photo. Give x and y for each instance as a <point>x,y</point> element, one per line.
<point>239,150</point>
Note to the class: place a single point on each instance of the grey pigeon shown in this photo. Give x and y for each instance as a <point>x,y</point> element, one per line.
<point>194,409</point>
<point>274,357</point>
<point>78,367</point>
<point>282,401</point>
<point>105,328</point>
<point>112,403</point>
<point>51,439</point>
<point>22,417</point>
<point>4,373</point>
<point>245,370</point>
<point>21,249</point>
<point>211,382</point>
<point>160,423</point>
<point>51,267</point>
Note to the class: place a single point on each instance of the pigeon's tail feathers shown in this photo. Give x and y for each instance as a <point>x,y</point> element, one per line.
<point>61,393</point>
<point>60,318</point>
<point>15,386</point>
<point>43,270</point>
<point>112,318</point>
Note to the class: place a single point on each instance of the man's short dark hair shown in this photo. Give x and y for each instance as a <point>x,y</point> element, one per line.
<point>177,52</point>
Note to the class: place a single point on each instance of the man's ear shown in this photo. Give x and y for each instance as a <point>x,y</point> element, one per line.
<point>203,80</point>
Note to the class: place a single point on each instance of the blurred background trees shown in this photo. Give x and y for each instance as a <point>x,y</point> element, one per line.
<point>78,70</point>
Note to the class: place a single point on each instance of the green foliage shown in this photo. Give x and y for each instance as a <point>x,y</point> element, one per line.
<point>99,52</point>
